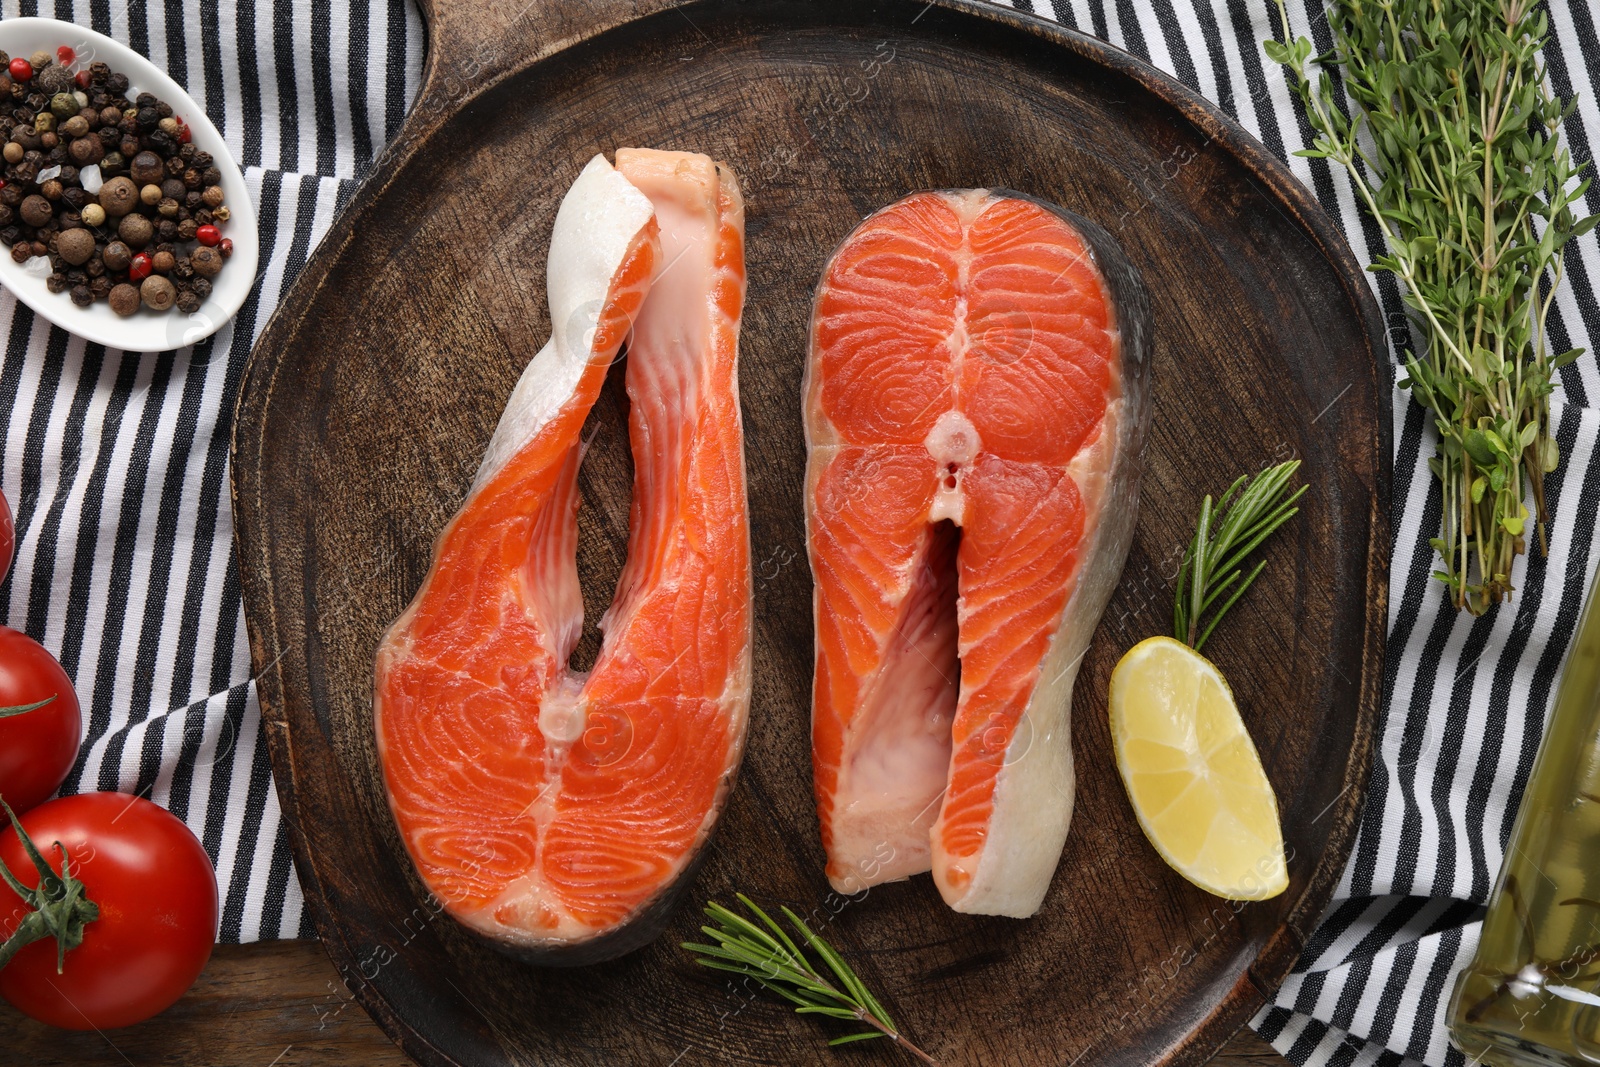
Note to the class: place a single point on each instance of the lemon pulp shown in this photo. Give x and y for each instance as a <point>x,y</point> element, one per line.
<point>1192,772</point>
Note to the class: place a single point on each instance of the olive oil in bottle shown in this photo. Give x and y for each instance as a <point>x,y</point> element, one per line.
<point>1531,996</point>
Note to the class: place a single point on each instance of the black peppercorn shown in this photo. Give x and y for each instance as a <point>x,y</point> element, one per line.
<point>167,229</point>
<point>146,169</point>
<point>201,287</point>
<point>188,302</point>
<point>56,283</point>
<point>54,80</point>
<point>77,277</point>
<point>81,296</point>
<point>174,188</point>
<point>94,268</point>
<point>21,252</point>
<point>10,235</point>
<point>100,287</point>
<point>202,160</point>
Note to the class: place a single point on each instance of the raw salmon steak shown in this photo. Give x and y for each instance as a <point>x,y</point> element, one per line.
<point>975,401</point>
<point>560,813</point>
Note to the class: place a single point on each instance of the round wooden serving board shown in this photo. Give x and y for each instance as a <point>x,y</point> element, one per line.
<point>368,402</point>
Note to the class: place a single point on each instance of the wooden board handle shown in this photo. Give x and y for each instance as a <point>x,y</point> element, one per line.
<point>474,43</point>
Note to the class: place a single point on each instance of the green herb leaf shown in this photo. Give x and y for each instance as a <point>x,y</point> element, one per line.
<point>762,950</point>
<point>1226,533</point>
<point>1443,119</point>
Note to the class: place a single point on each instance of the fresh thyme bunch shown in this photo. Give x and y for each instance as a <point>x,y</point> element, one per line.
<point>1454,150</point>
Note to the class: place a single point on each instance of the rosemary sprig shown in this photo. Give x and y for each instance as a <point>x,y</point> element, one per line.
<point>1227,532</point>
<point>1452,145</point>
<point>770,956</point>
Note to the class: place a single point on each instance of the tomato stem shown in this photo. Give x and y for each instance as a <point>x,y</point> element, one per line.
<point>61,907</point>
<point>22,709</point>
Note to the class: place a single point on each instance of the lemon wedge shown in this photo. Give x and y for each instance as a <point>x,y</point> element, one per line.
<point>1192,772</point>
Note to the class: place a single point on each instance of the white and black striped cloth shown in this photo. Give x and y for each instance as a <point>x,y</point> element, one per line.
<point>115,463</point>
<point>116,468</point>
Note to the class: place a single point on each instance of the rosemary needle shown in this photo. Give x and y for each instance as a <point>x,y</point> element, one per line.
<point>770,956</point>
<point>1227,532</point>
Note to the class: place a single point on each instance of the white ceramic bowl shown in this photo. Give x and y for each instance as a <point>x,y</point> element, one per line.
<point>146,330</point>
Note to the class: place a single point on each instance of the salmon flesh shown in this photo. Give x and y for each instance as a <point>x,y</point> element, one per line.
<point>976,396</point>
<point>554,812</point>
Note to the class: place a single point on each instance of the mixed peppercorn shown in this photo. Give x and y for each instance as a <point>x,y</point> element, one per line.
<point>111,190</point>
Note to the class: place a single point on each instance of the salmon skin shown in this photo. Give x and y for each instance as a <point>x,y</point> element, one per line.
<point>976,397</point>
<point>559,814</point>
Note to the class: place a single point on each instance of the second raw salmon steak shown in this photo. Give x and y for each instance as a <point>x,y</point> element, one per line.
<point>975,402</point>
<point>560,813</point>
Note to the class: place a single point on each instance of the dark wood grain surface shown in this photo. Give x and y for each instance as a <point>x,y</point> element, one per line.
<point>370,397</point>
<point>280,1004</point>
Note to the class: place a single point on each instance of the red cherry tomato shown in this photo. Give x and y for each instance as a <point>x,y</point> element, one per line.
<point>156,894</point>
<point>208,235</point>
<point>8,532</point>
<point>66,55</point>
<point>21,70</point>
<point>36,747</point>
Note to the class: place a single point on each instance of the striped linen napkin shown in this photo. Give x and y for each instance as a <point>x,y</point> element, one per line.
<point>115,463</point>
<point>116,468</point>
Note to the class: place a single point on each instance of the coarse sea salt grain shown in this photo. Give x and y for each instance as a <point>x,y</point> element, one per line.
<point>38,266</point>
<point>48,173</point>
<point>89,178</point>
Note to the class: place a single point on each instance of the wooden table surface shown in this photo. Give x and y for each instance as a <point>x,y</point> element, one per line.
<point>279,1004</point>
